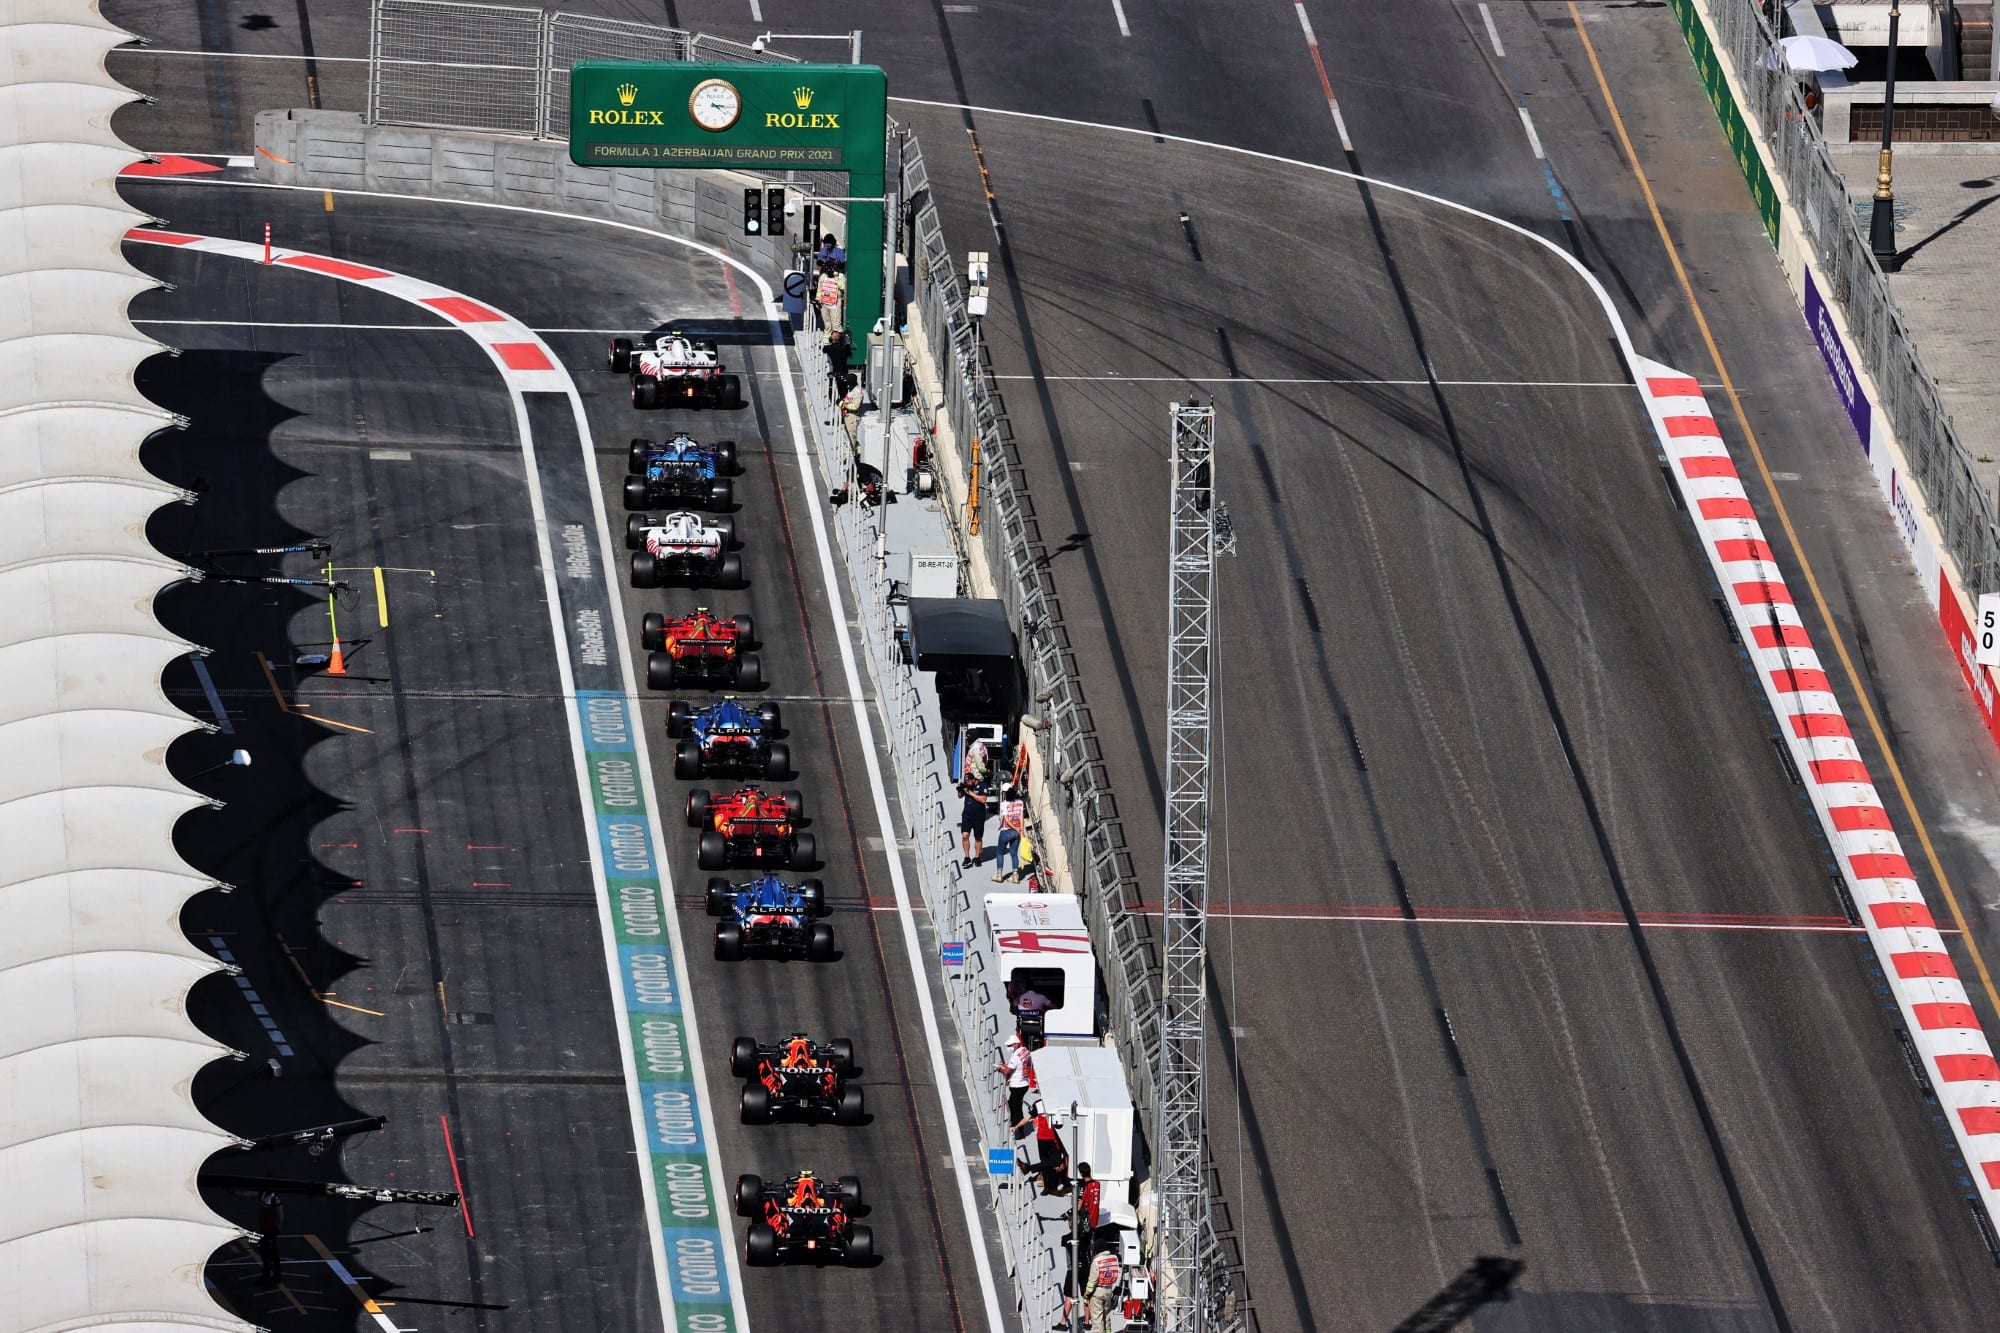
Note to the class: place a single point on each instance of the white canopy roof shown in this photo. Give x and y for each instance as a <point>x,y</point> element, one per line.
<point>102,1224</point>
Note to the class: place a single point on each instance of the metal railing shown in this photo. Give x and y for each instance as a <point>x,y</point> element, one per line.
<point>1942,467</point>
<point>1101,870</point>
<point>504,69</point>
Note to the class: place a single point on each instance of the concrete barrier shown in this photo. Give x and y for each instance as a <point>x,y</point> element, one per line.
<point>338,150</point>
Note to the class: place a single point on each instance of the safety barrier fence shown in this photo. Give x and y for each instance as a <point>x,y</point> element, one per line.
<point>504,69</point>
<point>1774,109</point>
<point>1099,866</point>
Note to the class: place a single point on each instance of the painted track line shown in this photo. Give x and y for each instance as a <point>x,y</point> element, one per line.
<point>690,1284</point>
<point>948,1087</point>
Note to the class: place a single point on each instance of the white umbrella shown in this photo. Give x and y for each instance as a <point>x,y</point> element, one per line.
<point>1810,54</point>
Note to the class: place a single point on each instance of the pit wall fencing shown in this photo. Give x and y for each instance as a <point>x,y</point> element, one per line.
<point>1944,517</point>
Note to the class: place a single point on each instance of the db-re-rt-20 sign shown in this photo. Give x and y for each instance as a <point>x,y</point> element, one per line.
<point>798,117</point>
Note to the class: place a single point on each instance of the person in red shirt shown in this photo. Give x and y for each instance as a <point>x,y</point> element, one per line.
<point>1089,1198</point>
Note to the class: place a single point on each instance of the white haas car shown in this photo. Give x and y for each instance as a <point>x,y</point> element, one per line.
<point>685,546</point>
<point>670,369</point>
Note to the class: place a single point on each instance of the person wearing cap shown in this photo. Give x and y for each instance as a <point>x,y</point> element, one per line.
<point>1018,1065</point>
<point>1013,824</point>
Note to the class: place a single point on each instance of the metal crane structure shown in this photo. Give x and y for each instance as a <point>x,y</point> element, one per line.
<point>1183,1300</point>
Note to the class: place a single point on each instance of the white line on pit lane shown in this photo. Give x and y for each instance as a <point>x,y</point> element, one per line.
<point>1492,31</point>
<point>1534,139</point>
<point>1124,28</point>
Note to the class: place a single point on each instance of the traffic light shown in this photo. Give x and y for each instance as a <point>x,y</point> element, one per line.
<point>753,211</point>
<point>774,209</point>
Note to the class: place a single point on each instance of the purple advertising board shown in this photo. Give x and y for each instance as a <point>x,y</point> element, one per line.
<point>1845,382</point>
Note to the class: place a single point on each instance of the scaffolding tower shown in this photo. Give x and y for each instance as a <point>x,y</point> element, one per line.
<point>1183,1300</point>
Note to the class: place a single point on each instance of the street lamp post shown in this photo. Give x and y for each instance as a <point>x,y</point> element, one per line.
<point>1882,222</point>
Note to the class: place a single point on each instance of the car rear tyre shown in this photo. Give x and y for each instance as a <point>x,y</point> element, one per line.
<point>645,394</point>
<point>728,942</point>
<point>645,570</point>
<point>729,393</point>
<point>729,571</point>
<point>852,1109</point>
<point>687,760</point>
<point>659,671</point>
<point>697,807</point>
<point>635,492</point>
<point>713,853</point>
<point>805,852</point>
<point>756,1108</point>
<point>819,945</point>
<point>778,762</point>
<point>721,493</point>
<point>860,1245</point>
<point>717,896</point>
<point>619,361</point>
<point>749,672</point>
<point>635,524</point>
<point>749,1196</point>
<point>762,1250</point>
<point>743,1057</point>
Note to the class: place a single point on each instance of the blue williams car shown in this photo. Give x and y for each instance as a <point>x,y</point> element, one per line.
<point>730,738</point>
<point>680,471</point>
<point>770,915</point>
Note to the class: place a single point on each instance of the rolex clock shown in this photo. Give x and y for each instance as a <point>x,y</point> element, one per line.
<point>715,104</point>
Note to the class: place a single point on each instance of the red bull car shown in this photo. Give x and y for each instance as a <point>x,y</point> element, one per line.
<point>799,1075</point>
<point>803,1216</point>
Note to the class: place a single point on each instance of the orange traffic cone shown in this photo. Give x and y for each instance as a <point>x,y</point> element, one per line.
<point>337,667</point>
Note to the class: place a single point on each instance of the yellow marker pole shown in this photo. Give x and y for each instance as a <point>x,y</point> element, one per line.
<point>381,599</point>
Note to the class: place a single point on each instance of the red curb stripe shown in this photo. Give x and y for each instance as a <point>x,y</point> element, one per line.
<point>1933,1017</point>
<point>522,356</point>
<point>1746,548</point>
<point>1850,818</point>
<point>1921,965</point>
<point>1980,1119</point>
<point>1880,865</point>
<point>1681,387</point>
<point>1992,1170</point>
<point>1904,916</point>
<point>463,310</point>
<point>1707,465</point>
<point>1685,427</point>
<point>1808,725</point>
<point>170,164</point>
<point>162,237</point>
<point>1801,680</point>
<point>1725,507</point>
<point>1839,770</point>
<point>1762,594</point>
<point>1968,1068</point>
<point>338,268</point>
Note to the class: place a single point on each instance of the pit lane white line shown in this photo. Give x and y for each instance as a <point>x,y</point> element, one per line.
<point>1237,379</point>
<point>1492,31</point>
<point>1124,28</point>
<point>927,1010</point>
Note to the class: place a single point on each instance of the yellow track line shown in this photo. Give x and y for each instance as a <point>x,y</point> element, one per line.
<point>1785,521</point>
<point>381,600</point>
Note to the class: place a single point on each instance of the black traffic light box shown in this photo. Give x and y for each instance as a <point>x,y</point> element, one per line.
<point>753,211</point>
<point>774,210</point>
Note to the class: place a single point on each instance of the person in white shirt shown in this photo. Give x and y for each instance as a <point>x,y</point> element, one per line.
<point>1018,1065</point>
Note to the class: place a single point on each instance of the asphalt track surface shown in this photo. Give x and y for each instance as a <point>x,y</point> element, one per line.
<point>465,913</point>
<point>1475,668</point>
